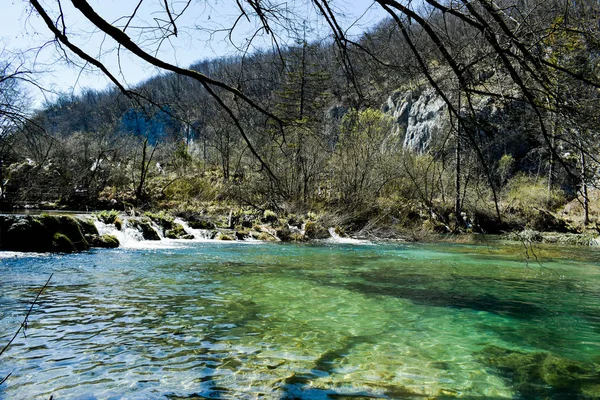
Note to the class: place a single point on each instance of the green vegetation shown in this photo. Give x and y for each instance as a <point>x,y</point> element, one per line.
<point>393,137</point>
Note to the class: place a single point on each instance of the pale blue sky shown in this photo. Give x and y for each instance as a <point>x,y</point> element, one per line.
<point>21,31</point>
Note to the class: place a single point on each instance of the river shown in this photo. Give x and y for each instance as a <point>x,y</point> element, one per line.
<point>208,319</point>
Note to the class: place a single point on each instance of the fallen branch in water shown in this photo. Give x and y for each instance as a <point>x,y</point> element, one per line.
<point>23,325</point>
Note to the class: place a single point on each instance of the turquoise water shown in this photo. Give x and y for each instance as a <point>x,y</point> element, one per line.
<point>234,320</point>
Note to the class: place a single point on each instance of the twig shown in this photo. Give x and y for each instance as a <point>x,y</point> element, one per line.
<point>24,323</point>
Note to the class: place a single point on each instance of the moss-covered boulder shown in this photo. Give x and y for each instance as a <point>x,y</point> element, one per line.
<point>62,244</point>
<point>263,236</point>
<point>201,224</point>
<point>42,233</point>
<point>314,230</point>
<point>177,232</point>
<point>26,234</point>
<point>242,234</point>
<point>543,375</point>
<point>70,227</point>
<point>163,220</point>
<point>269,217</point>
<point>284,234</point>
<point>224,236</point>
<point>544,221</point>
<point>103,241</point>
<point>87,226</point>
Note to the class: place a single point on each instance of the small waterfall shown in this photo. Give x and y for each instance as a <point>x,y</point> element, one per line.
<point>157,229</point>
<point>335,238</point>
<point>199,234</point>
<point>132,238</point>
<point>127,236</point>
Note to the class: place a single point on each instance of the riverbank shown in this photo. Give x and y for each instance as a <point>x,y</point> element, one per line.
<point>65,233</point>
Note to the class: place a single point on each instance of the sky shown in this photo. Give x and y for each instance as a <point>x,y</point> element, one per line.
<point>201,36</point>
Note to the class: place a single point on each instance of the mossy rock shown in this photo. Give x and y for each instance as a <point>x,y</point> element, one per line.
<point>39,234</point>
<point>108,217</point>
<point>284,234</point>
<point>27,234</point>
<point>177,232</point>
<point>148,233</point>
<point>269,216</point>
<point>294,220</point>
<point>103,241</point>
<point>70,227</point>
<point>87,226</point>
<point>223,236</point>
<point>201,224</point>
<point>543,375</point>
<point>242,235</point>
<point>314,230</point>
<point>62,244</point>
<point>163,220</point>
<point>542,220</point>
<point>264,236</point>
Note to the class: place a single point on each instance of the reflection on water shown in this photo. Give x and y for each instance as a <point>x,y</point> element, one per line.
<point>301,321</point>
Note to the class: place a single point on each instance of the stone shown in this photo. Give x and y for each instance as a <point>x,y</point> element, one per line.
<point>314,230</point>
<point>62,244</point>
<point>103,241</point>
<point>176,232</point>
<point>543,375</point>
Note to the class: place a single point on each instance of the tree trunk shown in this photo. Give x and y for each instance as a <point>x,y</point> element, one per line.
<point>584,190</point>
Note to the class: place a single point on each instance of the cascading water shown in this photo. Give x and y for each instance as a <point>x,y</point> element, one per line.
<point>128,236</point>
<point>199,234</point>
<point>335,238</point>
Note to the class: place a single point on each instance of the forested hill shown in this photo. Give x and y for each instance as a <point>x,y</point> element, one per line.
<point>434,124</point>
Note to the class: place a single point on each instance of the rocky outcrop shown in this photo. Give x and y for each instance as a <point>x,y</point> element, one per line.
<point>419,116</point>
<point>50,233</point>
<point>314,230</point>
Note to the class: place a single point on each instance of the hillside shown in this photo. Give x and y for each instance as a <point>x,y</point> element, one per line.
<point>368,134</point>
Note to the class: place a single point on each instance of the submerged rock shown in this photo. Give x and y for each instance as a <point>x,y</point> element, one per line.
<point>543,375</point>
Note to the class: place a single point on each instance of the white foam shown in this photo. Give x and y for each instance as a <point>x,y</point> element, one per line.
<point>200,235</point>
<point>335,238</point>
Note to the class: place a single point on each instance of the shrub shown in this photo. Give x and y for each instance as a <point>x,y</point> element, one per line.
<point>269,216</point>
<point>107,217</point>
<point>526,193</point>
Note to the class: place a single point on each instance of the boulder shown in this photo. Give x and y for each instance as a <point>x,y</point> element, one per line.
<point>314,230</point>
<point>103,241</point>
<point>43,233</point>
<point>62,244</point>
<point>177,232</point>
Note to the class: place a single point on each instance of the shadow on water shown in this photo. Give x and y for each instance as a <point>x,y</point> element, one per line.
<point>473,293</point>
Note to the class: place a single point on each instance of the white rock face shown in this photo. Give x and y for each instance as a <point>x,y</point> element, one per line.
<point>419,116</point>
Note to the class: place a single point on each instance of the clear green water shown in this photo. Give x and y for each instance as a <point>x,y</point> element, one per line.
<point>230,320</point>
